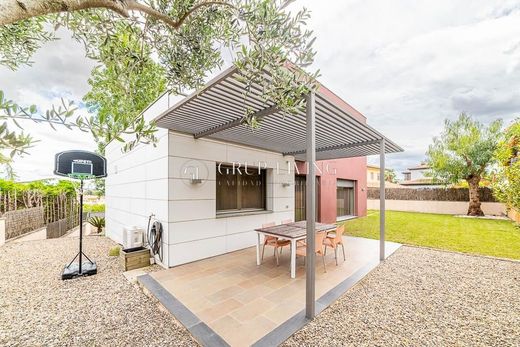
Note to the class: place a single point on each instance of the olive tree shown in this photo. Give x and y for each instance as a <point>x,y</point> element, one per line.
<point>144,48</point>
<point>464,151</point>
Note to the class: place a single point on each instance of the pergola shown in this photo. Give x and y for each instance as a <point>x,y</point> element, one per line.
<point>329,128</point>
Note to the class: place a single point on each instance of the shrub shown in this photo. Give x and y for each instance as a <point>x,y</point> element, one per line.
<point>114,251</point>
<point>97,222</point>
<point>506,184</point>
<point>94,208</point>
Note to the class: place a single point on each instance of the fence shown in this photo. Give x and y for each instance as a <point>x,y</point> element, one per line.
<point>430,194</point>
<point>27,209</point>
<point>60,227</point>
<point>23,221</point>
<point>433,200</point>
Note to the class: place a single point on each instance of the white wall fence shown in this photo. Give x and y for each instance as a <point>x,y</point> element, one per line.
<point>441,207</point>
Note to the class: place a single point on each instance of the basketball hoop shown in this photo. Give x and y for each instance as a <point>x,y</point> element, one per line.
<point>80,165</point>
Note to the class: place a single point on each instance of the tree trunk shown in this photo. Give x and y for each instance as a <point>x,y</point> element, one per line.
<point>474,198</point>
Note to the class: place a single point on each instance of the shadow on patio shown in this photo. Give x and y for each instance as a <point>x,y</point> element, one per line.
<point>240,304</point>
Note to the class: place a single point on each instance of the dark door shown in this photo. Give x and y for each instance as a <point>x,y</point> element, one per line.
<point>345,198</point>
<point>300,198</point>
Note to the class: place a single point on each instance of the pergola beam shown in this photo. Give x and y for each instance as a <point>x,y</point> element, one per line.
<point>382,200</point>
<point>336,147</point>
<point>310,213</point>
<point>228,125</point>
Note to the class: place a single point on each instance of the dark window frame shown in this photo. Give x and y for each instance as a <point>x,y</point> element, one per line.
<point>352,194</point>
<point>240,180</point>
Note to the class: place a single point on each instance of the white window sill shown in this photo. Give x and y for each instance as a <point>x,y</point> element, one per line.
<point>242,213</point>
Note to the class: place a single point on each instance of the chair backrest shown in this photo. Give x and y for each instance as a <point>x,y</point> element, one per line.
<point>287,221</point>
<point>320,237</point>
<point>339,233</point>
<point>267,225</point>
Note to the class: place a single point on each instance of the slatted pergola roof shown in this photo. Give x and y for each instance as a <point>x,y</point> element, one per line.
<point>328,128</point>
<point>217,112</point>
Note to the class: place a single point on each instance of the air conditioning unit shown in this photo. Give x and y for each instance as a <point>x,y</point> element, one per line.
<point>132,237</point>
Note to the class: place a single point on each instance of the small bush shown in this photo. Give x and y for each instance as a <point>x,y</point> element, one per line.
<point>94,208</point>
<point>98,223</point>
<point>114,251</point>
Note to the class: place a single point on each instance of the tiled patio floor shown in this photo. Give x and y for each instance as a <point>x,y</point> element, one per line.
<point>242,302</point>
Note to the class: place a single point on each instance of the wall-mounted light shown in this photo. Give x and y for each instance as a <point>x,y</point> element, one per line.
<point>285,184</point>
<point>195,181</point>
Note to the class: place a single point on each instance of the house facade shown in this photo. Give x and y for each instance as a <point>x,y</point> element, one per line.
<point>374,178</point>
<point>340,187</point>
<point>419,177</point>
<point>210,195</point>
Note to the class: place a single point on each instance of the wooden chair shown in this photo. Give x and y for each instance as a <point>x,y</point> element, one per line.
<point>335,241</point>
<point>273,242</point>
<point>320,237</point>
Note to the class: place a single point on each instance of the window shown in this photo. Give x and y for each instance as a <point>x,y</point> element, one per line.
<point>345,198</point>
<point>238,191</point>
<point>372,176</point>
<point>378,177</point>
<point>300,198</point>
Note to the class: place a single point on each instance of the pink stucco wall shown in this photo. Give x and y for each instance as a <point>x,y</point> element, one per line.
<point>329,171</point>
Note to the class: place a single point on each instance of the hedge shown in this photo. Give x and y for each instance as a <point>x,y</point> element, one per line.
<point>431,194</point>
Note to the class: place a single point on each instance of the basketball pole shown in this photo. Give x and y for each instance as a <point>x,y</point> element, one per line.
<point>80,225</point>
<point>79,165</point>
<point>80,254</point>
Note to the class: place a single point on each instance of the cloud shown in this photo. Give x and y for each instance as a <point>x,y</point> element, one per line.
<point>406,64</point>
<point>60,70</point>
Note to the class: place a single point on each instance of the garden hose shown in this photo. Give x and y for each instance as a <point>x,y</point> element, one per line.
<point>154,237</point>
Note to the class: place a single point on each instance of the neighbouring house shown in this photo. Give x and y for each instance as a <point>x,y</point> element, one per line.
<point>419,177</point>
<point>373,178</point>
<point>211,180</point>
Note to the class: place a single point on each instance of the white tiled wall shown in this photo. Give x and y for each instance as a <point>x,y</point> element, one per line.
<point>150,180</point>
<point>195,232</point>
<point>136,186</point>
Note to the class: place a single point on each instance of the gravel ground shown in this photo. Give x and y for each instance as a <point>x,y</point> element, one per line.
<point>422,297</point>
<point>417,297</point>
<point>37,308</point>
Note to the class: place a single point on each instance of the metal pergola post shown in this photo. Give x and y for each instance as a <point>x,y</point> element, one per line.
<point>382,200</point>
<point>310,285</point>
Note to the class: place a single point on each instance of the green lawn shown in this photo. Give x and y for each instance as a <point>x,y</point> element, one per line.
<point>498,238</point>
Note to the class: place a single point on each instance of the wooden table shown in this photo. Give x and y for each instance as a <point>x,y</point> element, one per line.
<point>293,232</point>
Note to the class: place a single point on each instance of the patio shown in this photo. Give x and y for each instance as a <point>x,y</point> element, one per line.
<point>232,301</point>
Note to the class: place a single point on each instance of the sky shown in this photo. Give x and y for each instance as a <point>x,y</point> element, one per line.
<point>407,65</point>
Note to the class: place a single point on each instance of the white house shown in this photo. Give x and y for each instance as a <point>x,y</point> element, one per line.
<point>419,177</point>
<point>187,179</point>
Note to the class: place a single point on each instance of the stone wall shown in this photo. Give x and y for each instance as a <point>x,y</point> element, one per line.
<point>23,221</point>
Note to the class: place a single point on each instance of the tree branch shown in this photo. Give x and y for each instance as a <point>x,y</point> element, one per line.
<point>12,11</point>
<point>196,7</point>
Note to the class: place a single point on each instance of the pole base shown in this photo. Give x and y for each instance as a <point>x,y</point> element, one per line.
<point>72,271</point>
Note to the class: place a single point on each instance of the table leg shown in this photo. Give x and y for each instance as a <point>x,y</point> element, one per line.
<point>258,249</point>
<point>293,258</point>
